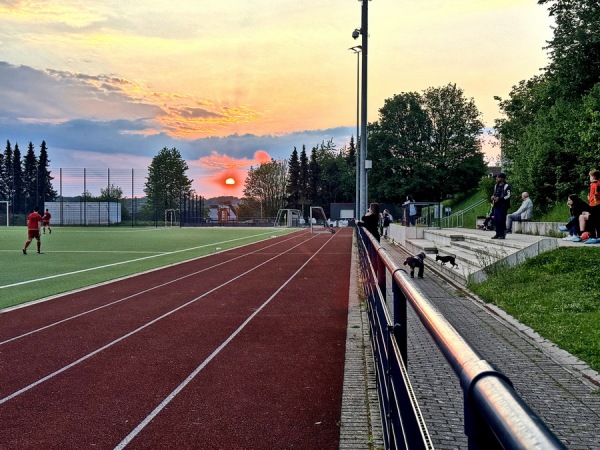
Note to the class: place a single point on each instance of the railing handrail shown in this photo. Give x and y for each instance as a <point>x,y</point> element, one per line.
<point>490,400</point>
<point>449,219</point>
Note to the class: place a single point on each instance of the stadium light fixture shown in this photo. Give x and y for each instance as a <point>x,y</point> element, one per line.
<point>357,49</point>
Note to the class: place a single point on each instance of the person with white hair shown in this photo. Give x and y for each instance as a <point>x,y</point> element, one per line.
<point>523,214</point>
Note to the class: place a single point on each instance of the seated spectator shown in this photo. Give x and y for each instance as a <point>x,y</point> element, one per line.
<point>590,220</point>
<point>576,207</point>
<point>488,223</point>
<point>523,214</point>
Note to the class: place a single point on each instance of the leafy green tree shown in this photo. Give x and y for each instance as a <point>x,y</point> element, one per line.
<point>426,146</point>
<point>575,46</point>
<point>265,186</point>
<point>112,193</point>
<point>166,182</point>
<point>549,135</point>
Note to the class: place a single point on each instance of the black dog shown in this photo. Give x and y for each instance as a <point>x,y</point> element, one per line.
<point>415,261</point>
<point>447,259</point>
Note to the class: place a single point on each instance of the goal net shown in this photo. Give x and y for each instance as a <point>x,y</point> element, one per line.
<point>318,221</point>
<point>288,218</point>
<point>171,217</point>
<point>3,213</point>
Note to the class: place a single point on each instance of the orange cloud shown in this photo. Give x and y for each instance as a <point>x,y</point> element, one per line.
<point>218,168</point>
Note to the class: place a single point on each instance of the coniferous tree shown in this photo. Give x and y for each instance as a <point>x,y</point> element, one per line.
<point>46,191</point>
<point>30,179</point>
<point>18,186</point>
<point>3,186</point>
<point>304,193</point>
<point>6,170</point>
<point>314,173</point>
<point>293,182</point>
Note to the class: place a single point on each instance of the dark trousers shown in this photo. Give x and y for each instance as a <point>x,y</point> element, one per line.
<point>500,220</point>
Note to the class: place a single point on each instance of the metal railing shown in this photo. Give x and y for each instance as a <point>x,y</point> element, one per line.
<point>495,415</point>
<point>457,219</point>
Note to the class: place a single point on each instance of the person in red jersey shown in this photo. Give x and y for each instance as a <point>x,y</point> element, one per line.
<point>34,226</point>
<point>46,221</point>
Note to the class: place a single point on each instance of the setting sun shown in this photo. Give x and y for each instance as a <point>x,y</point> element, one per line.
<point>229,181</point>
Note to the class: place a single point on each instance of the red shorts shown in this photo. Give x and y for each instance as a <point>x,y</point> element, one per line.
<point>46,223</point>
<point>33,234</point>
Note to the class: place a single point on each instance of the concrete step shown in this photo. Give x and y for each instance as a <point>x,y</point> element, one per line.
<point>476,253</point>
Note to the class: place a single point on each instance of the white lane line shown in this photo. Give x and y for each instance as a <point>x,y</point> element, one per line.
<point>137,330</point>
<point>89,269</point>
<point>37,330</point>
<point>198,369</point>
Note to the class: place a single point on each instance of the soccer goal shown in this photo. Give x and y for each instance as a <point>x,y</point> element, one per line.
<point>289,218</point>
<point>318,221</point>
<point>171,217</point>
<point>4,213</point>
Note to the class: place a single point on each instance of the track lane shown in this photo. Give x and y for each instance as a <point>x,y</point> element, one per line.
<point>205,326</point>
<point>74,341</point>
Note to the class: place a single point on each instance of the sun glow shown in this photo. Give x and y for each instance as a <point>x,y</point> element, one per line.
<point>229,181</point>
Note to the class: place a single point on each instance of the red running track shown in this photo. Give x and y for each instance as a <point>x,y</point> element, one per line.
<point>239,350</point>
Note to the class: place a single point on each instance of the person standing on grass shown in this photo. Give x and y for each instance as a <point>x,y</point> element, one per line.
<point>501,201</point>
<point>46,221</point>
<point>34,227</point>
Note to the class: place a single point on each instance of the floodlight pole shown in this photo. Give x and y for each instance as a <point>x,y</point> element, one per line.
<point>364,31</point>
<point>357,49</point>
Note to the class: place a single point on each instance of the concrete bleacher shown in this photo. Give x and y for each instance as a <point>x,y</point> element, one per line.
<point>538,228</point>
<point>475,252</point>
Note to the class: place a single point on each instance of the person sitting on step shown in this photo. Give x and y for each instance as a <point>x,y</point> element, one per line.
<point>523,214</point>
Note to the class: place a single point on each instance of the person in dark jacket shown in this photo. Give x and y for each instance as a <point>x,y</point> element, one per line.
<point>370,221</point>
<point>416,261</point>
<point>501,201</point>
<point>576,207</point>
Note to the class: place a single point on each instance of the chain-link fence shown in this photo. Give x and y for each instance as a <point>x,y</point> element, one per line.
<point>101,197</point>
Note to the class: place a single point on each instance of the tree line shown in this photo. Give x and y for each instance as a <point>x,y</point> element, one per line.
<point>550,135</point>
<point>25,182</point>
<point>425,145</point>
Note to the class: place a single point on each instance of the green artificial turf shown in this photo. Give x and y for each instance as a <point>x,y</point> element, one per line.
<point>73,258</point>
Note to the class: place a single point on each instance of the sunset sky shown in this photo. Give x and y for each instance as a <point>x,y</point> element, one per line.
<point>234,83</point>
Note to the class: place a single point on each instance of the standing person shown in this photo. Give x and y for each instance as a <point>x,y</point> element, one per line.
<point>410,210</point>
<point>523,214</point>
<point>590,220</point>
<point>34,226</point>
<point>46,221</point>
<point>501,201</point>
<point>387,220</point>
<point>370,221</point>
<point>576,207</point>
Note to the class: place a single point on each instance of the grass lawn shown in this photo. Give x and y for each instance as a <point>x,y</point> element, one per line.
<point>557,294</point>
<point>77,257</point>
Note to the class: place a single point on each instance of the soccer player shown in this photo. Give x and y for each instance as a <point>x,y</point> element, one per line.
<point>46,221</point>
<point>34,226</point>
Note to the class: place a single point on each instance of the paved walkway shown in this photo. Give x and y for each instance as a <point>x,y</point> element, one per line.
<point>560,388</point>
